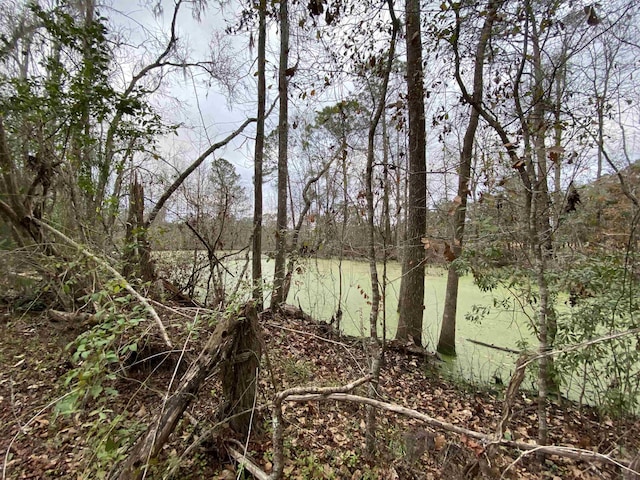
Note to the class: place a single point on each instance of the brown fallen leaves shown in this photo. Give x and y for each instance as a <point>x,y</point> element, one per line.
<point>322,439</point>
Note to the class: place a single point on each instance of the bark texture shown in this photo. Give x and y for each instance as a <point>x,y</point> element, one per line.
<point>239,373</point>
<point>412,288</point>
<point>447,340</point>
<point>277,297</point>
<point>256,256</point>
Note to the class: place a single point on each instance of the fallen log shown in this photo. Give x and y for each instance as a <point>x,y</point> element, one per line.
<point>217,350</point>
<point>248,464</point>
<point>410,348</point>
<point>79,318</point>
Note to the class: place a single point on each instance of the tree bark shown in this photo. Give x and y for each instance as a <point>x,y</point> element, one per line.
<point>218,349</point>
<point>256,255</point>
<point>412,285</point>
<point>541,233</point>
<point>239,373</point>
<point>137,251</point>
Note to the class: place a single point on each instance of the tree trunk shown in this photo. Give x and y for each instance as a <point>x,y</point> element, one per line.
<point>239,373</point>
<point>375,351</point>
<point>256,256</point>
<point>412,285</point>
<point>447,341</point>
<point>137,250</point>
<point>217,349</point>
<point>277,297</point>
<point>541,235</point>
<point>345,214</point>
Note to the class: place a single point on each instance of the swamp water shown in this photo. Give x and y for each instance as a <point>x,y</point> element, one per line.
<point>315,288</point>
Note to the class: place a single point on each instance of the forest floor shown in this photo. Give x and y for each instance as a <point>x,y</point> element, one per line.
<point>322,439</point>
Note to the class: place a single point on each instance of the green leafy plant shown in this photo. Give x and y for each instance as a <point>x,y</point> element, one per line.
<point>602,300</point>
<point>96,351</point>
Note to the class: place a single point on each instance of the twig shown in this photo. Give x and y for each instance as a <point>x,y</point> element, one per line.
<point>586,343</point>
<point>178,312</point>
<point>278,421</point>
<point>495,347</point>
<point>624,466</point>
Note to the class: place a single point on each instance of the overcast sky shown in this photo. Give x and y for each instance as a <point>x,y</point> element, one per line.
<point>204,108</point>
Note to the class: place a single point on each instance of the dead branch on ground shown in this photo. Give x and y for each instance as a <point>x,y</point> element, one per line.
<point>112,271</point>
<point>489,441</point>
<point>562,451</point>
<point>278,420</point>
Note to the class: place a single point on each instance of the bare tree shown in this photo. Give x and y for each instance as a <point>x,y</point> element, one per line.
<point>447,340</point>
<point>256,250</point>
<point>277,296</point>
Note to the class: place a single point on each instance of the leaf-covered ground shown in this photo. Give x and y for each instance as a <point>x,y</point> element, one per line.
<point>323,439</point>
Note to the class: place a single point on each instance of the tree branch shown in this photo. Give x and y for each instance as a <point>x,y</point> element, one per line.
<point>570,452</point>
<point>183,176</point>
<point>278,421</point>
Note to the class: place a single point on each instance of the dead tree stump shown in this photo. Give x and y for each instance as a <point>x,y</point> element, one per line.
<point>218,350</point>
<point>239,373</point>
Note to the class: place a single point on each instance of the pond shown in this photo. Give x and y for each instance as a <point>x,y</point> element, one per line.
<point>315,288</point>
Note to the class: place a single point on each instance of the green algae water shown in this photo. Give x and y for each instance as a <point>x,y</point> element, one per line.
<point>316,287</point>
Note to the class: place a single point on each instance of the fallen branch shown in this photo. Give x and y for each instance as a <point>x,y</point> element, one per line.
<point>70,317</point>
<point>495,347</point>
<point>278,421</point>
<point>248,465</point>
<point>113,272</point>
<point>569,452</point>
<point>216,350</point>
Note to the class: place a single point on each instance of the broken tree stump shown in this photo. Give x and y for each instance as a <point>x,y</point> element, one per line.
<point>239,373</point>
<point>217,350</point>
